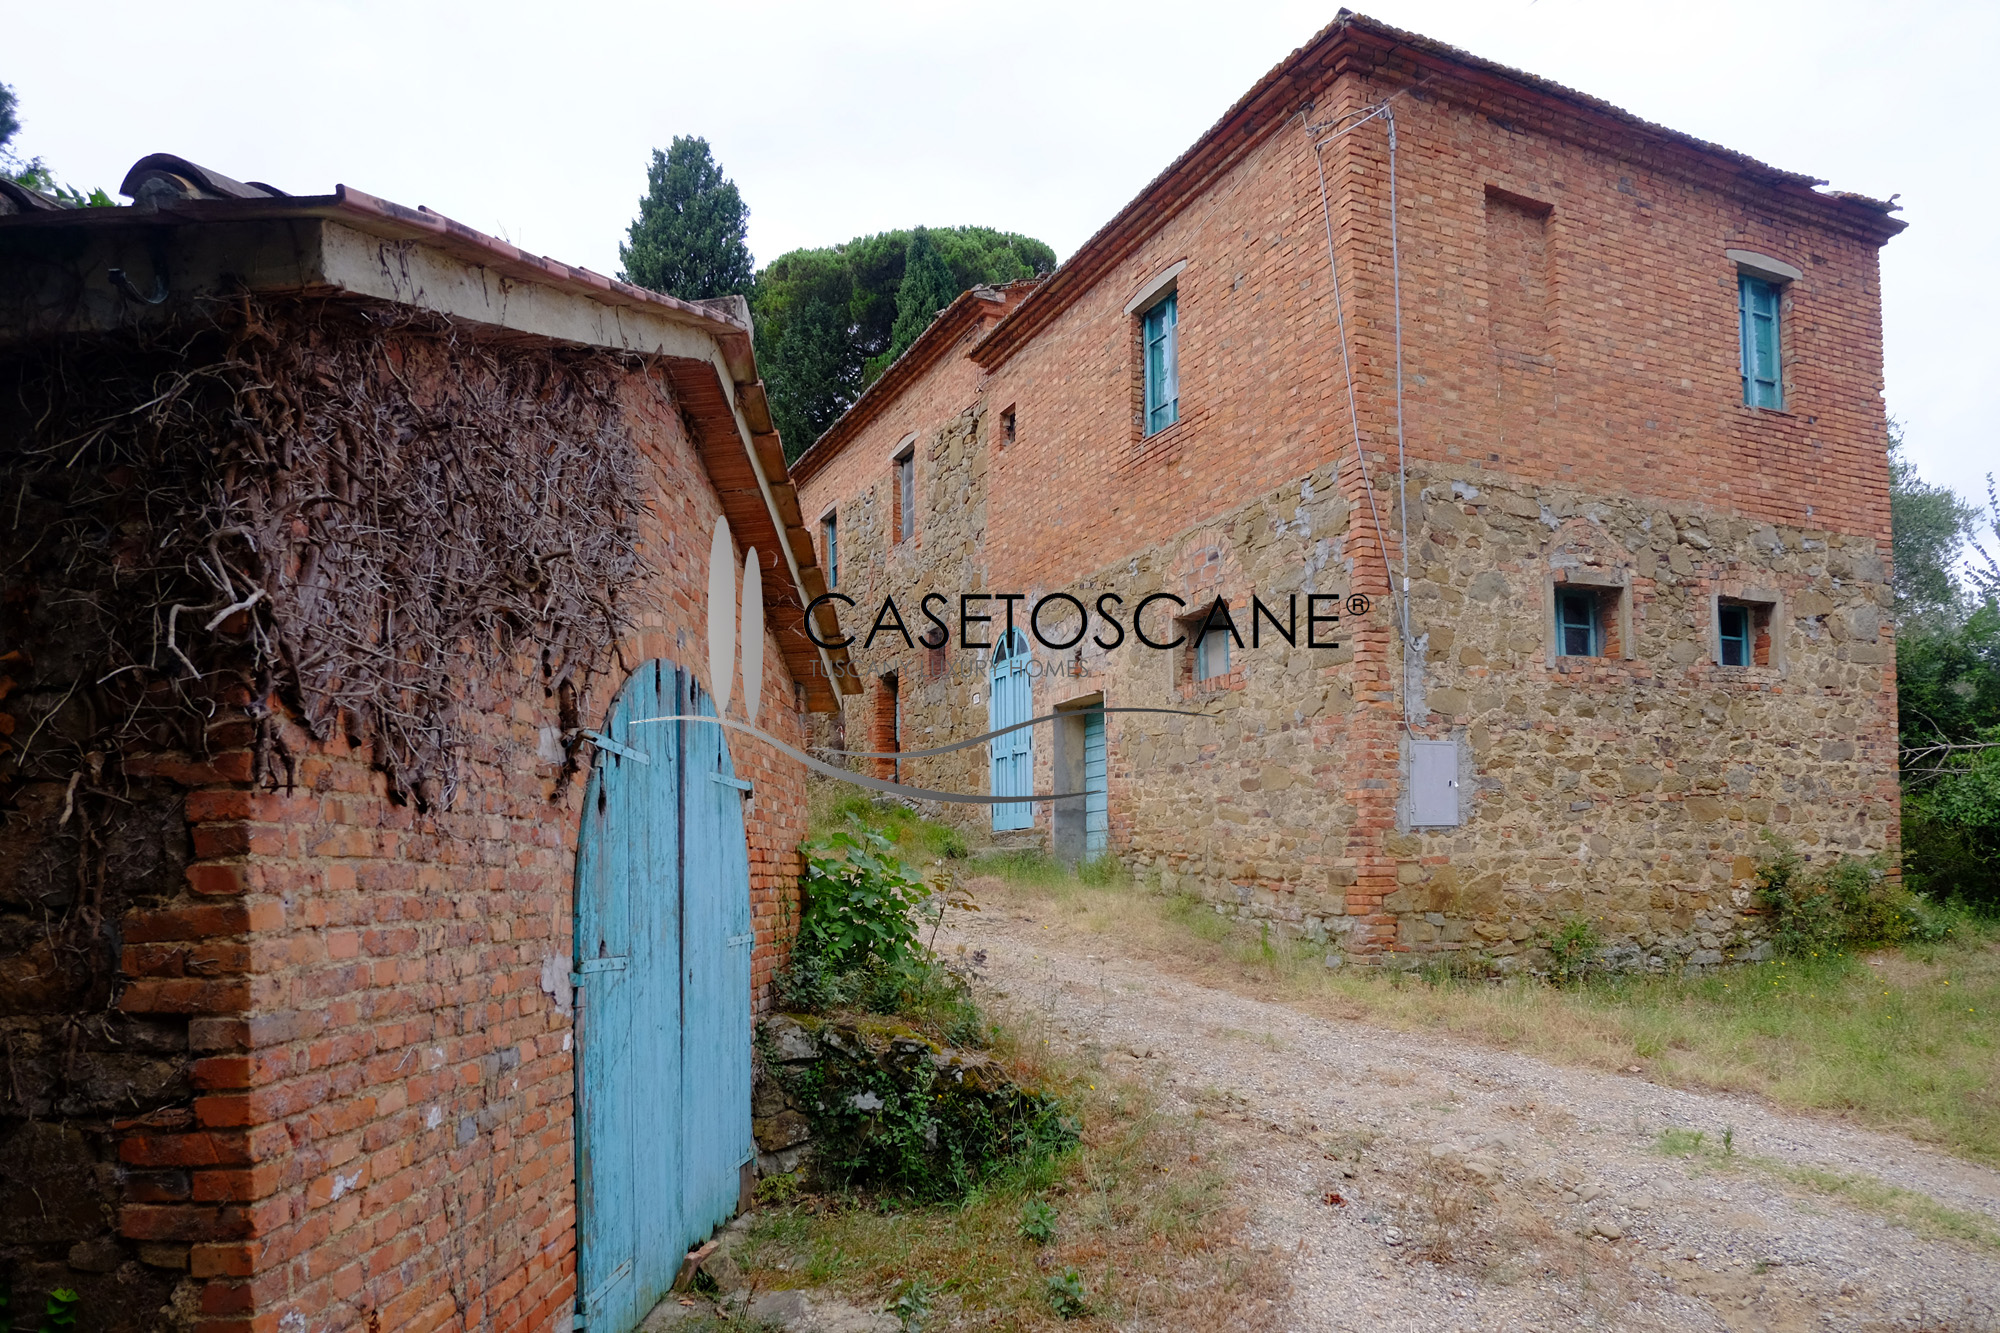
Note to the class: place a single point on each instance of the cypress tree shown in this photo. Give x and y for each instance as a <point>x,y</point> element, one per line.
<point>927,287</point>
<point>688,239</point>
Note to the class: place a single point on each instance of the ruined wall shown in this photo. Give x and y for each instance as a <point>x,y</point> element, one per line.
<point>326,1079</point>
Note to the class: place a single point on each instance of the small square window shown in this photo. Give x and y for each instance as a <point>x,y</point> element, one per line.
<point>1159,342</point>
<point>1579,627</point>
<point>1757,307</point>
<point>1743,633</point>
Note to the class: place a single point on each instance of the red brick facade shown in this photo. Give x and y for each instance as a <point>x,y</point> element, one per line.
<point>356,1105</point>
<point>1572,414</point>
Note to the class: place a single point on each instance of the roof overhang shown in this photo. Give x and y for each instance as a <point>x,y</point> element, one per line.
<point>55,278</point>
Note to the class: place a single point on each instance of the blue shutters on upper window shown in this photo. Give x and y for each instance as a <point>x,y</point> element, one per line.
<point>1757,319</point>
<point>1163,379</point>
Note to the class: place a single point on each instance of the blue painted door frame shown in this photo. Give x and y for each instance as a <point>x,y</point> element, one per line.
<point>662,975</point>
<point>1096,789</point>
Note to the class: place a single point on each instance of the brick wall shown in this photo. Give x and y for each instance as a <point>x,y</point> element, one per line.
<point>362,1115</point>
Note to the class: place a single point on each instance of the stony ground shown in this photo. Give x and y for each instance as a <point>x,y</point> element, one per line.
<point>1421,1183</point>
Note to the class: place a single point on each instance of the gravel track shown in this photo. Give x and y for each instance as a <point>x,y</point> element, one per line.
<point>1481,1189</point>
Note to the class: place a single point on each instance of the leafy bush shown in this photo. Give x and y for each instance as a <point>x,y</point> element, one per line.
<point>860,901</point>
<point>1572,948</point>
<point>1847,903</point>
<point>1101,869</point>
<point>891,1111</point>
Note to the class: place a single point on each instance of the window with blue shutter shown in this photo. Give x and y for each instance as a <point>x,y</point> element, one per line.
<point>1735,627</point>
<point>1163,384</point>
<point>1577,631</point>
<point>1757,319</point>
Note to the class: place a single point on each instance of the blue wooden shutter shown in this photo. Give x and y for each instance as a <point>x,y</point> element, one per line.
<point>1757,318</point>
<point>1163,395</point>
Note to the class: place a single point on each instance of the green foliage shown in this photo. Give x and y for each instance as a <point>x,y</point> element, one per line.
<point>1066,1294</point>
<point>887,1117</point>
<point>1929,525</point>
<point>860,901</point>
<point>60,1314</point>
<point>827,317</point>
<point>1948,689</point>
<point>1100,870</point>
<point>688,239</point>
<point>928,286</point>
<point>1847,903</point>
<point>1038,1221</point>
<point>1572,947</point>
<point>913,1304</point>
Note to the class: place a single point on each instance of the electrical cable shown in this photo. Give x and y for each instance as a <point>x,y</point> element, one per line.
<point>1340,128</point>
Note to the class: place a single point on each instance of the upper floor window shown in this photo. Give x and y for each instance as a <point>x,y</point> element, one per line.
<point>829,532</point>
<point>1735,628</point>
<point>1757,304</point>
<point>1163,384</point>
<point>906,494</point>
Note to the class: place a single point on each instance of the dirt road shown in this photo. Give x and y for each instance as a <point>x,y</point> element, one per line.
<point>1421,1183</point>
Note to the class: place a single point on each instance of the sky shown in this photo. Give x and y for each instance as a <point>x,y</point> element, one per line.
<point>535,122</point>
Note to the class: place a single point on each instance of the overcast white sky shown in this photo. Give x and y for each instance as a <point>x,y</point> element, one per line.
<point>1040,116</point>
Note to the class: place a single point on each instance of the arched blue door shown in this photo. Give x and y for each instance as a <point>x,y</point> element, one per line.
<point>662,973</point>
<point>1010,701</point>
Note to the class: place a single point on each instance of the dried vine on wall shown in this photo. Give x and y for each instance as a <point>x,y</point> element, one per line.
<point>350,511</point>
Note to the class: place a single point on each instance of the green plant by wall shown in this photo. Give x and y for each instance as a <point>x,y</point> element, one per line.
<point>860,900</point>
<point>1847,903</point>
<point>1572,947</point>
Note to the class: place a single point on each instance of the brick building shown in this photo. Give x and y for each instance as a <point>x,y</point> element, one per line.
<point>1608,396</point>
<point>286,957</point>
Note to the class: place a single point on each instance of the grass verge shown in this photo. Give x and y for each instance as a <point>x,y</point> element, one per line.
<point>1911,1209</point>
<point>1905,1040</point>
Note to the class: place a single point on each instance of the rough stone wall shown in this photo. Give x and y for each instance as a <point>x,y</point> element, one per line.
<point>1635,789</point>
<point>346,1094</point>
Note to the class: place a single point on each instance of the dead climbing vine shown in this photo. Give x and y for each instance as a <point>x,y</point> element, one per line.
<point>342,513</point>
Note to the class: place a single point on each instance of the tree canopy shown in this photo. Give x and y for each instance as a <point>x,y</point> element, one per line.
<point>1948,684</point>
<point>830,320</point>
<point>688,239</point>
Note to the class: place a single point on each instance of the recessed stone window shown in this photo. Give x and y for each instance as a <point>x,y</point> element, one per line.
<point>1588,620</point>
<point>1743,631</point>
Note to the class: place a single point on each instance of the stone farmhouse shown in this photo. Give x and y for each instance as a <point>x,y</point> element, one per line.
<point>1573,421</point>
<point>371,955</point>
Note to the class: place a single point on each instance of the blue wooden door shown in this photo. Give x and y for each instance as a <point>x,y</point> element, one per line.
<point>1096,789</point>
<point>1009,702</point>
<point>662,977</point>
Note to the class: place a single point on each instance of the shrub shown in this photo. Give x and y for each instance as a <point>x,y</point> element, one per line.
<point>1572,948</point>
<point>1847,903</point>
<point>859,901</point>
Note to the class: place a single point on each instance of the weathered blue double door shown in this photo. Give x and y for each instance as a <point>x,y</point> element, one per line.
<point>662,973</point>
